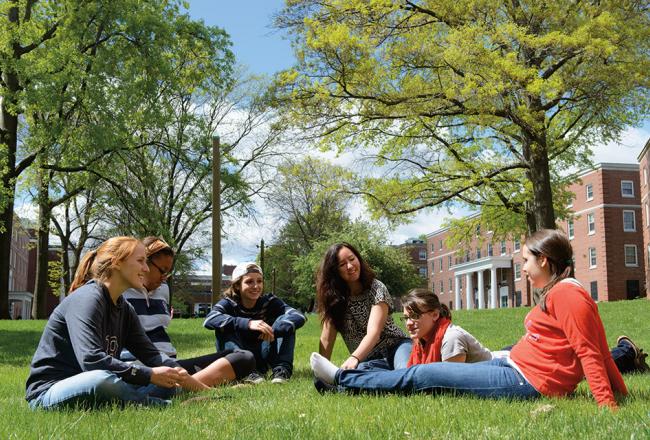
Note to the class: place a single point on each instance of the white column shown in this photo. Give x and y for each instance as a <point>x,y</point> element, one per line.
<point>493,288</point>
<point>481,290</point>
<point>469,291</point>
<point>457,292</point>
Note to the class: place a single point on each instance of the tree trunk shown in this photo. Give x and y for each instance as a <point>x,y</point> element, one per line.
<point>540,177</point>
<point>39,306</point>
<point>8,137</point>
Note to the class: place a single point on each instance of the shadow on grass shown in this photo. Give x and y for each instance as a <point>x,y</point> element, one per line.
<point>18,346</point>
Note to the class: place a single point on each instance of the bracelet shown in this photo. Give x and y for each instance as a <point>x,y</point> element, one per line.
<point>353,356</point>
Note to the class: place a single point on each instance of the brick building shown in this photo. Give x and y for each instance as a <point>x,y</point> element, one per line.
<point>644,170</point>
<point>605,232</point>
<point>417,251</point>
<point>196,291</point>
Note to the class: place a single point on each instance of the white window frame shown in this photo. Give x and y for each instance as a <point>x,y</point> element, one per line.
<point>570,229</point>
<point>645,176</point>
<point>441,246</point>
<point>629,196</point>
<point>591,220</point>
<point>517,268</point>
<point>449,262</point>
<point>516,245</point>
<point>440,264</point>
<point>636,256</point>
<point>589,190</point>
<point>503,247</point>
<point>592,258</point>
<point>629,211</point>
<point>423,254</point>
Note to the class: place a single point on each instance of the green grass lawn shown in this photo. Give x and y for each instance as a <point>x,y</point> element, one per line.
<point>296,410</point>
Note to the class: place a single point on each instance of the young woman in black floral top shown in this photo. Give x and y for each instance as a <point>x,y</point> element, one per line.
<point>351,301</point>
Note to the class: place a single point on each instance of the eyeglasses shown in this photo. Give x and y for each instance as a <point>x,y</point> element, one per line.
<point>163,273</point>
<point>412,317</point>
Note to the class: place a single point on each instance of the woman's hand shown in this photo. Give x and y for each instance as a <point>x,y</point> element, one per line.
<point>350,363</point>
<point>168,377</point>
<point>266,332</point>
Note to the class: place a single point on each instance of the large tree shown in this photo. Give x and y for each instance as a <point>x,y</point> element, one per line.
<point>91,66</point>
<point>482,103</point>
<point>308,196</point>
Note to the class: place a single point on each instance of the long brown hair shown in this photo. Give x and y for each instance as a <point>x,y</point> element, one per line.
<point>332,292</point>
<point>98,263</point>
<point>556,247</point>
<point>419,301</point>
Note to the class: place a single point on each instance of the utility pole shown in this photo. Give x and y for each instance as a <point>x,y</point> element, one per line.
<point>262,254</point>
<point>216,220</point>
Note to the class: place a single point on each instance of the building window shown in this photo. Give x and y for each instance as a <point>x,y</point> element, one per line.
<point>591,223</point>
<point>630,255</point>
<point>517,245</point>
<point>490,251</point>
<point>451,286</point>
<point>478,254</point>
<point>590,192</point>
<point>448,261</point>
<point>440,264</point>
<point>423,254</point>
<point>592,257</point>
<point>423,271</point>
<point>440,244</point>
<point>629,221</point>
<point>645,176</point>
<point>594,290</point>
<point>570,229</point>
<point>570,205</point>
<point>442,286</point>
<point>518,298</point>
<point>503,247</point>
<point>517,271</point>
<point>627,188</point>
<point>504,301</point>
<point>433,248</point>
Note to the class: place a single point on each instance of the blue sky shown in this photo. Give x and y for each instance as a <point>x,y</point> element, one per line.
<point>248,22</point>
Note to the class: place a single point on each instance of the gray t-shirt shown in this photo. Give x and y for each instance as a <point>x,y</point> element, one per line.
<point>355,322</point>
<point>458,341</point>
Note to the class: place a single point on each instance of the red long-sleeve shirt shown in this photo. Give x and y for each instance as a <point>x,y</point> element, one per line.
<point>567,343</point>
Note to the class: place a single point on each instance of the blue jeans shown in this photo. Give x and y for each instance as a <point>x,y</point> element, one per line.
<point>398,358</point>
<point>278,353</point>
<point>624,356</point>
<point>495,378</point>
<point>100,387</point>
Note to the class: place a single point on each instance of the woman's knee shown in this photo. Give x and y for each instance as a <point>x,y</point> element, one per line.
<point>242,362</point>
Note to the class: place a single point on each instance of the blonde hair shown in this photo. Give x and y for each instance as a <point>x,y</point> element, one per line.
<point>98,263</point>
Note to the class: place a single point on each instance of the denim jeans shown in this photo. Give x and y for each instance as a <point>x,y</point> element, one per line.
<point>278,353</point>
<point>398,358</point>
<point>99,387</point>
<point>495,378</point>
<point>624,355</point>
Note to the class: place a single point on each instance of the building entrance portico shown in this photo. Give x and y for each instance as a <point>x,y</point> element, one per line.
<point>476,270</point>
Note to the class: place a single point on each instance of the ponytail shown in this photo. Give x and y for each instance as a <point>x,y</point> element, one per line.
<point>83,273</point>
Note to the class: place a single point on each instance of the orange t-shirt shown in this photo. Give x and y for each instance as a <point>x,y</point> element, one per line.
<point>567,343</point>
